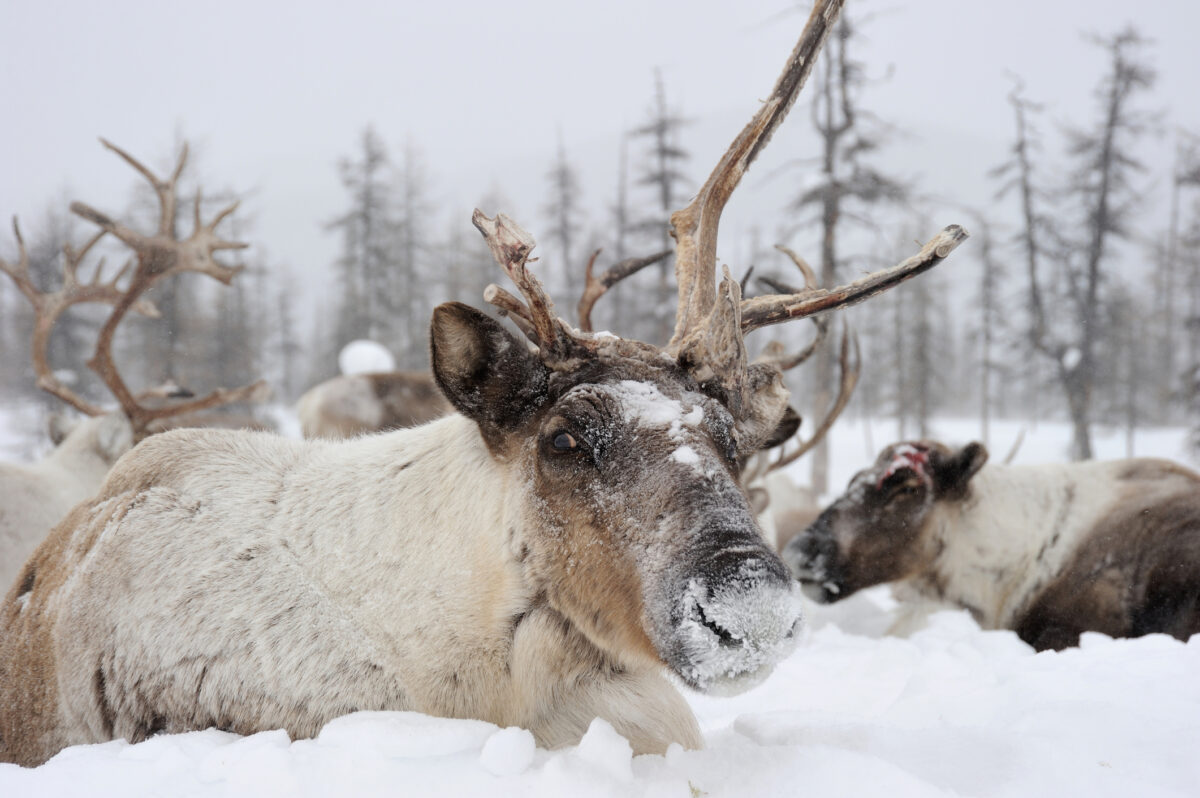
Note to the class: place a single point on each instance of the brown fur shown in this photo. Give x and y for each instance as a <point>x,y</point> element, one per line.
<point>1138,572</point>
<point>1105,547</point>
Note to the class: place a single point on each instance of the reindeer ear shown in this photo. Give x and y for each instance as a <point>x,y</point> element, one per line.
<point>486,373</point>
<point>114,436</point>
<point>764,414</point>
<point>952,473</point>
<point>784,430</point>
<point>59,425</point>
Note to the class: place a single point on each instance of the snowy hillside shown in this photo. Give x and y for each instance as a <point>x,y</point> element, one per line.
<point>951,711</point>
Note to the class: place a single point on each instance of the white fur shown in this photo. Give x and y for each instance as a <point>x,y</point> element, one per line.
<point>33,498</point>
<point>308,591</point>
<point>993,539</point>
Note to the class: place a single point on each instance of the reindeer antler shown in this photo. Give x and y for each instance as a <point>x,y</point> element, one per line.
<point>156,256</point>
<point>695,227</point>
<point>48,306</point>
<point>711,319</point>
<point>762,311</point>
<point>774,352</point>
<point>851,370</point>
<point>159,256</point>
<point>596,287</point>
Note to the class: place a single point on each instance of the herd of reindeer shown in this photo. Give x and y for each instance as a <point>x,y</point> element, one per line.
<point>544,529</point>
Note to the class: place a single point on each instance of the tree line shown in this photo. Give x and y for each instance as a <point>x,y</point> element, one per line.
<point>1084,308</point>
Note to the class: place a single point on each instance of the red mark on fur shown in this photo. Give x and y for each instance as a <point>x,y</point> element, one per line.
<point>907,456</point>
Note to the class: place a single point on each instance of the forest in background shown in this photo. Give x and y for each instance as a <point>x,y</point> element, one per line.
<point>1086,308</point>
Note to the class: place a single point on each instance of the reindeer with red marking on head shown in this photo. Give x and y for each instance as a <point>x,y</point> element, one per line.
<point>536,559</point>
<point>1049,551</point>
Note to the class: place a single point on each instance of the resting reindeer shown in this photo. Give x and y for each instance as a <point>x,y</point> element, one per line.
<point>535,559</point>
<point>33,498</point>
<point>1049,551</point>
<point>357,404</point>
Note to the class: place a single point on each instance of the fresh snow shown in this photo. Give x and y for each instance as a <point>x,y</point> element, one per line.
<point>951,711</point>
<point>365,357</point>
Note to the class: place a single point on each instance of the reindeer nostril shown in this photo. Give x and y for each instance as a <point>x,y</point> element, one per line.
<point>724,637</point>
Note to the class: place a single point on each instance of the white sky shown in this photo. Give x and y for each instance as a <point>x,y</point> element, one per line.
<point>271,94</point>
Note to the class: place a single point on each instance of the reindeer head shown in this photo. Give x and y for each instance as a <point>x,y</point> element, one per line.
<point>632,521</point>
<point>876,531</point>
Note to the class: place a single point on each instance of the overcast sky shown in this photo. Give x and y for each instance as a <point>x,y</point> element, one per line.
<point>272,94</point>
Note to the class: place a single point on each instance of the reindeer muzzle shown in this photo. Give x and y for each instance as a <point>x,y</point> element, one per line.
<point>738,615</point>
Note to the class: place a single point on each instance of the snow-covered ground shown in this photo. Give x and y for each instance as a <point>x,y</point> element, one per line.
<point>952,710</point>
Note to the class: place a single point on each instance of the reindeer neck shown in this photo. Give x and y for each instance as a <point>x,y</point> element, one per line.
<point>441,521</point>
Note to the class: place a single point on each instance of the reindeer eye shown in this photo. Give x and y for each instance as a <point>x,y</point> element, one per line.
<point>565,442</point>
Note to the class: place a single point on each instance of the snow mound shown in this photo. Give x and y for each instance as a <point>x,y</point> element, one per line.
<point>953,710</point>
<point>365,357</point>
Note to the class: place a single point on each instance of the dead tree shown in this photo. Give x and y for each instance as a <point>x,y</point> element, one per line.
<point>662,172</point>
<point>563,209</point>
<point>1102,183</point>
<point>845,179</point>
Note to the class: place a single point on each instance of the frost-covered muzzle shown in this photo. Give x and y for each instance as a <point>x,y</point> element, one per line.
<point>812,558</point>
<point>734,617</point>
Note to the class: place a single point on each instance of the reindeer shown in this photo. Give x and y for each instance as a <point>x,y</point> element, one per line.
<point>357,404</point>
<point>33,498</point>
<point>1049,551</point>
<point>537,558</point>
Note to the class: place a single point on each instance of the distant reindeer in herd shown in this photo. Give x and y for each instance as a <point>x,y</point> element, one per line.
<point>33,498</point>
<point>1049,551</point>
<point>357,404</point>
<point>537,558</point>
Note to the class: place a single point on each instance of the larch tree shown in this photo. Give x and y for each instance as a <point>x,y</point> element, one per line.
<point>1102,182</point>
<point>662,173</point>
<point>1067,305</point>
<point>847,183</point>
<point>367,230</point>
<point>407,304</point>
<point>564,210</point>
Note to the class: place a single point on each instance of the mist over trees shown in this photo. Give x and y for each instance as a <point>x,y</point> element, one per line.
<point>1073,298</point>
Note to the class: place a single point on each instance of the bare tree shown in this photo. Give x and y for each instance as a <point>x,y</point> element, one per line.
<point>1185,174</point>
<point>846,179</point>
<point>565,213</point>
<point>408,305</point>
<point>990,322</point>
<point>662,172</point>
<point>367,230</point>
<point>1101,183</point>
